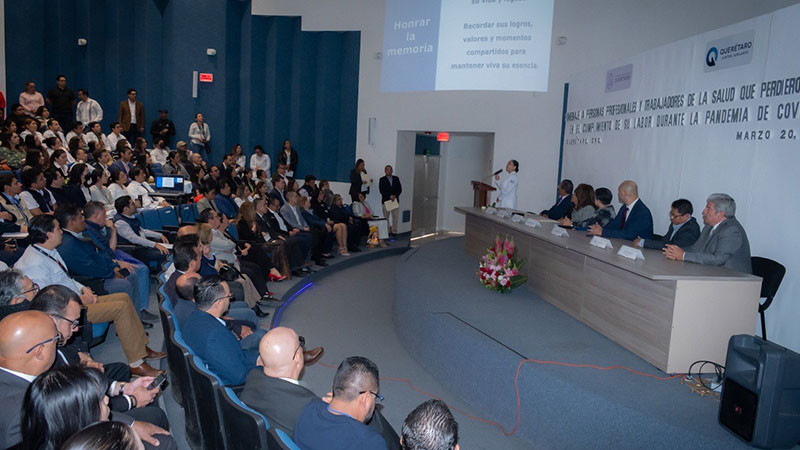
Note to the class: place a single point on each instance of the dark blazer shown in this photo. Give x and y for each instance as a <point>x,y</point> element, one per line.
<point>214,343</point>
<point>280,401</point>
<point>561,208</point>
<point>276,194</point>
<point>84,259</point>
<point>686,235</point>
<point>120,165</point>
<point>59,195</point>
<point>182,310</point>
<point>12,392</point>
<point>170,289</point>
<point>355,184</point>
<point>728,247</point>
<point>75,195</point>
<point>116,403</point>
<point>638,223</point>
<point>226,205</point>
<point>388,190</point>
<point>274,226</point>
<point>291,162</point>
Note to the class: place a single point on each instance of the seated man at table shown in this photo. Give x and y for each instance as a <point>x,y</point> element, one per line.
<point>340,424</point>
<point>683,228</point>
<point>723,241</point>
<point>634,218</point>
<point>206,334</point>
<point>563,205</point>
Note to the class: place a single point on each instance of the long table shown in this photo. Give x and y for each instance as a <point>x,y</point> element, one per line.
<point>670,313</point>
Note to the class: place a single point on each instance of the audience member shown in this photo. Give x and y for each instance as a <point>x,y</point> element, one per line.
<point>97,187</point>
<point>390,188</point>
<point>96,135</point>
<point>584,208</point>
<point>124,163</point>
<point>14,216</point>
<point>206,334</point>
<point>430,426</point>
<point>139,189</point>
<point>288,157</point>
<point>61,100</point>
<point>35,198</point>
<point>131,232</point>
<point>30,99</point>
<point>359,180</point>
<point>28,342</point>
<point>362,210</point>
<point>162,128</point>
<point>340,424</point>
<point>723,241</point>
<point>16,292</point>
<point>278,189</point>
<point>634,218</point>
<point>200,135</point>
<point>88,110</point>
<point>174,166</point>
<point>104,436</point>
<point>31,128</point>
<point>683,228</point>
<point>77,192</point>
<point>223,200</point>
<point>160,154</point>
<point>563,205</point>
<point>11,151</point>
<point>119,182</point>
<point>292,214</point>
<point>277,228</point>
<point>339,214</point>
<point>44,266</point>
<point>260,160</point>
<point>131,116</point>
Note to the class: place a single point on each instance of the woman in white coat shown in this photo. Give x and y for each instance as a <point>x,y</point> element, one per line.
<point>507,195</point>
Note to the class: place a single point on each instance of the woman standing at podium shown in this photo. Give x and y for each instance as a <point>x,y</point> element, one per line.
<point>507,197</point>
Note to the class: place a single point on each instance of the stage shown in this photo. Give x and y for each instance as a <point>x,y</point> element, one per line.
<point>473,340</point>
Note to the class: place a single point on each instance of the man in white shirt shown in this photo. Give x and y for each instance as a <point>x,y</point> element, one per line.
<point>95,134</point>
<point>54,130</point>
<point>88,110</point>
<point>159,154</point>
<point>35,197</point>
<point>76,131</point>
<point>44,266</point>
<point>115,136</point>
<point>260,160</point>
<point>131,232</point>
<point>139,188</point>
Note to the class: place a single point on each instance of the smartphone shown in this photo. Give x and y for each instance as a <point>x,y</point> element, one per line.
<point>157,382</point>
<point>124,272</point>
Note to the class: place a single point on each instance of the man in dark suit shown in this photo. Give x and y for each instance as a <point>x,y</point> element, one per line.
<point>390,188</point>
<point>563,206</point>
<point>634,218</point>
<point>274,389</point>
<point>683,228</point>
<point>28,342</point>
<point>279,189</point>
<point>723,241</point>
<point>205,333</point>
<point>291,236</point>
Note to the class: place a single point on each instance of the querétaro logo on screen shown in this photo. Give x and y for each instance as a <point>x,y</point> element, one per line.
<point>730,51</point>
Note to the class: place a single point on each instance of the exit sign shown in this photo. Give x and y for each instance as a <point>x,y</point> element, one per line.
<point>206,77</point>
<point>443,137</point>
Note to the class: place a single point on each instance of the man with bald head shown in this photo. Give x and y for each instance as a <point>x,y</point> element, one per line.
<point>28,342</point>
<point>634,218</point>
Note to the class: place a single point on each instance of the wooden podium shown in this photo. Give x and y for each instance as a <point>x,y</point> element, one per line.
<point>481,193</point>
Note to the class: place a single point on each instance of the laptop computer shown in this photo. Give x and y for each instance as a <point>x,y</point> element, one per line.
<point>169,185</point>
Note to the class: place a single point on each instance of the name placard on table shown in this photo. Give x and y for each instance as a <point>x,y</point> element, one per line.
<point>533,223</point>
<point>558,231</point>
<point>601,242</point>
<point>631,253</point>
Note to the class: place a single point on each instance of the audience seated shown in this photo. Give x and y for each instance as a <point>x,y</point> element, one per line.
<point>634,218</point>
<point>16,292</point>
<point>98,180</point>
<point>338,214</point>
<point>293,216</point>
<point>55,185</point>
<point>278,189</point>
<point>139,190</point>
<point>35,198</point>
<point>430,426</point>
<point>62,401</point>
<point>563,205</point>
<point>77,192</point>
<point>131,232</point>
<point>208,189</point>
<point>723,241</point>
<point>28,342</point>
<point>16,216</point>
<point>104,436</point>
<point>119,182</point>
<point>297,244</point>
<point>44,266</point>
<point>206,334</point>
<point>364,211</point>
<point>683,228</point>
<point>317,207</point>
<point>604,212</point>
<point>223,201</point>
<point>340,424</point>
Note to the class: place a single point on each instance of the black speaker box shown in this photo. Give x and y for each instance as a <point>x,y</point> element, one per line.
<point>761,393</point>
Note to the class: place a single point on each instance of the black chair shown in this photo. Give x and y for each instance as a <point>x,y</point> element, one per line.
<point>772,273</point>
<point>174,359</point>
<point>205,386</point>
<point>178,356</point>
<point>244,428</point>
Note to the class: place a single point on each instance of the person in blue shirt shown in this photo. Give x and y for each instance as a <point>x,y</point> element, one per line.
<point>340,424</point>
<point>206,334</point>
<point>634,218</point>
<point>224,202</point>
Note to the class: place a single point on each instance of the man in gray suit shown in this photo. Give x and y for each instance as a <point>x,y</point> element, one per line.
<point>723,241</point>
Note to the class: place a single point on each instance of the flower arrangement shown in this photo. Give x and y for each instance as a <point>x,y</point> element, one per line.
<point>499,270</point>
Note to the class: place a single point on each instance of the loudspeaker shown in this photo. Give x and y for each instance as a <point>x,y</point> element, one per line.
<point>761,393</point>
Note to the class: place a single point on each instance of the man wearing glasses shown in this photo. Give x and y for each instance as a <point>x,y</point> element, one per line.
<point>274,389</point>
<point>16,292</point>
<point>683,228</point>
<point>205,332</point>
<point>340,424</point>
<point>28,342</point>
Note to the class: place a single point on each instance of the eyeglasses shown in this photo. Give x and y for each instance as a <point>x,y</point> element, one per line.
<point>378,397</point>
<point>55,338</point>
<point>74,323</point>
<point>301,344</point>
<point>229,296</point>
<point>35,288</point>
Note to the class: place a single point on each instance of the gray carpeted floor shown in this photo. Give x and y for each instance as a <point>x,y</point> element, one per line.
<point>350,313</point>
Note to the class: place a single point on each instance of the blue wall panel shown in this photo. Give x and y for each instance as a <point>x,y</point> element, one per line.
<point>272,81</point>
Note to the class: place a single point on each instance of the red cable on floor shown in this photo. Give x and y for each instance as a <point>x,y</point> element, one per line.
<point>516,386</point>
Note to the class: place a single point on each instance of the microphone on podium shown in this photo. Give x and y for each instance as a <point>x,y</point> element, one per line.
<point>491,175</point>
